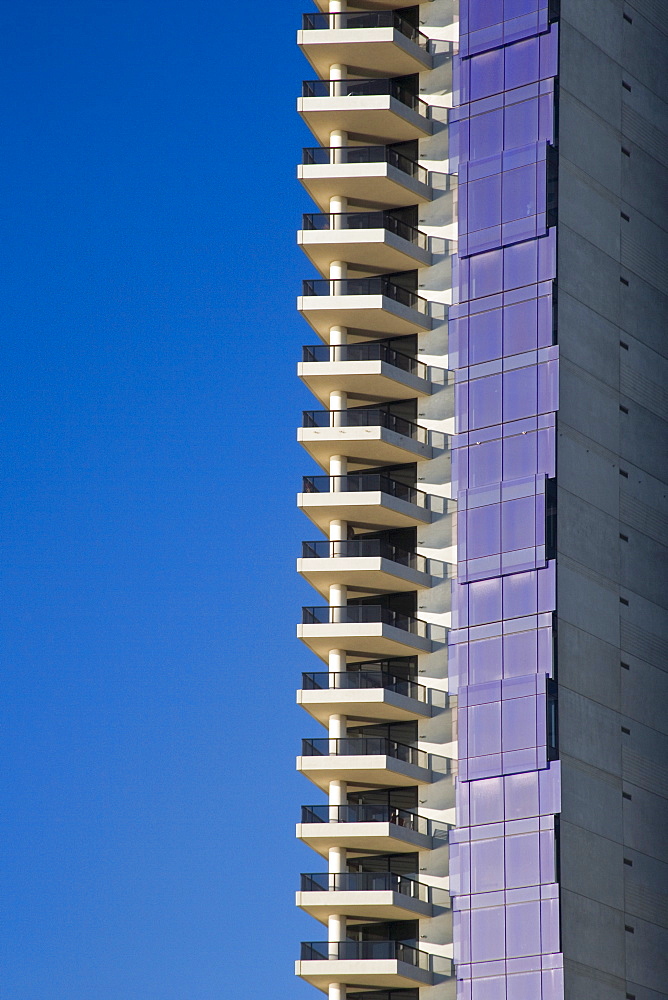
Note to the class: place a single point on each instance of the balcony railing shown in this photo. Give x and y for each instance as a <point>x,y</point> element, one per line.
<point>365,746</point>
<point>363,680</point>
<point>364,548</point>
<point>363,614</point>
<point>380,87</point>
<point>321,353</point>
<point>377,285</point>
<point>369,482</point>
<point>333,221</point>
<point>323,155</point>
<point>363,417</point>
<point>379,19</point>
<point>350,951</point>
<point>365,882</point>
<point>365,813</point>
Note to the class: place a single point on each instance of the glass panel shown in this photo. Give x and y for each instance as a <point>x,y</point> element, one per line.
<point>487,865</point>
<point>522,860</point>
<point>487,801</point>
<point>484,725</point>
<point>486,137</point>
<point>485,336</point>
<point>523,929</point>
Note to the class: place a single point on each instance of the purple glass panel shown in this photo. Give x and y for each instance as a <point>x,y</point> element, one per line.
<point>518,520</point>
<point>485,463</point>
<point>485,660</point>
<point>525,986</point>
<point>522,63</point>
<point>520,124</point>
<point>487,871</point>
<point>520,265</point>
<point>484,601</point>
<point>486,74</point>
<point>520,327</point>
<point>483,13</point>
<point>489,989</point>
<point>522,860</point>
<point>519,654</point>
<point>484,202</point>
<point>485,401</point>
<point>486,135</point>
<point>519,724</point>
<point>521,796</point>
<point>488,933</point>
<point>519,193</point>
<point>519,595</point>
<point>523,929</point>
<point>487,801</point>
<point>484,531</point>
<point>484,730</point>
<point>486,273</point>
<point>485,336</point>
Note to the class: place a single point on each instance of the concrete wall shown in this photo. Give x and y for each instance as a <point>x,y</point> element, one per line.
<point>613,656</point>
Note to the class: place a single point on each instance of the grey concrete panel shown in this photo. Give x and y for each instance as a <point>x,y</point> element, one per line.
<point>589,666</point>
<point>647,954</point>
<point>591,865</point>
<point>588,535</point>
<point>588,473</point>
<point>644,693</point>
<point>591,800</point>
<point>588,340</point>
<point>588,73</point>
<point>592,934</point>
<point>590,732</point>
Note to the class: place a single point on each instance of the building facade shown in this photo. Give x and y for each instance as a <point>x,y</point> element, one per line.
<point>491,635</point>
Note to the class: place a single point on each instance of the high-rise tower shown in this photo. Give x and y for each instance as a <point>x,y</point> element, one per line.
<point>492,314</point>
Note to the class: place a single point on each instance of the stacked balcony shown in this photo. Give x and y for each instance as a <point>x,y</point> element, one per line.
<point>365,306</point>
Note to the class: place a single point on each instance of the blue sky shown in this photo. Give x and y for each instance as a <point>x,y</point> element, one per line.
<point>149,406</point>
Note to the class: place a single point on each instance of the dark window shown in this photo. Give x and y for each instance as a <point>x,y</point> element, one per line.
<point>625,85</point>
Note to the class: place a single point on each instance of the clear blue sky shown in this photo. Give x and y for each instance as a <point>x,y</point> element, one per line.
<point>149,403</point>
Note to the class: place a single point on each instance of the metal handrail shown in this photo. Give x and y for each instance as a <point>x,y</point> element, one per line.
<point>364,548</point>
<point>379,87</point>
<point>322,353</point>
<point>363,482</point>
<point>375,19</point>
<point>359,614</point>
<point>365,813</point>
<point>362,680</point>
<point>365,746</point>
<point>376,285</point>
<point>365,882</point>
<point>346,221</point>
<point>362,417</point>
<point>328,155</point>
<point>365,950</point>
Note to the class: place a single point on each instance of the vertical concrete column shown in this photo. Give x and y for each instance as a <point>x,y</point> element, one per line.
<point>338,865</point>
<point>338,796</point>
<point>338,532</point>
<point>337,662</point>
<point>338,466</point>
<point>336,932</point>
<point>338,598</point>
<point>338,337</point>
<point>337,991</point>
<point>337,205</point>
<point>338,404</point>
<point>337,74</point>
<point>337,141</point>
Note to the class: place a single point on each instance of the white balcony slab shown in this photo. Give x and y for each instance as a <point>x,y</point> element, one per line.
<point>374,119</point>
<point>372,904</point>
<point>380,973</point>
<point>363,771</point>
<point>362,703</point>
<point>375,314</point>
<point>370,251</point>
<point>372,381</point>
<point>381,51</point>
<point>374,639</point>
<point>374,185</point>
<point>363,446</point>
<point>361,838</point>
<point>372,509</point>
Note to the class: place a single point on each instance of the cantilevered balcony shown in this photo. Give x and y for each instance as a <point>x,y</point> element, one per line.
<point>379,175</point>
<point>364,762</point>
<point>370,500</point>
<point>369,306</point>
<point>364,963</point>
<point>368,629</point>
<point>366,565</point>
<point>374,111</point>
<point>360,895</point>
<point>370,692</point>
<point>370,241</point>
<point>364,828</point>
<point>366,370</point>
<point>366,436</point>
<point>378,42</point>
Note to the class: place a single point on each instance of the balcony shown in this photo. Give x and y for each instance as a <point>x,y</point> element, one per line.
<point>370,500</point>
<point>370,241</point>
<point>364,963</point>
<point>370,306</point>
<point>368,629</point>
<point>368,174</point>
<point>366,436</point>
<point>369,693</point>
<point>363,828</point>
<point>368,565</point>
<point>378,42</point>
<point>360,895</point>
<point>364,762</point>
<point>374,111</point>
<point>366,370</point>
